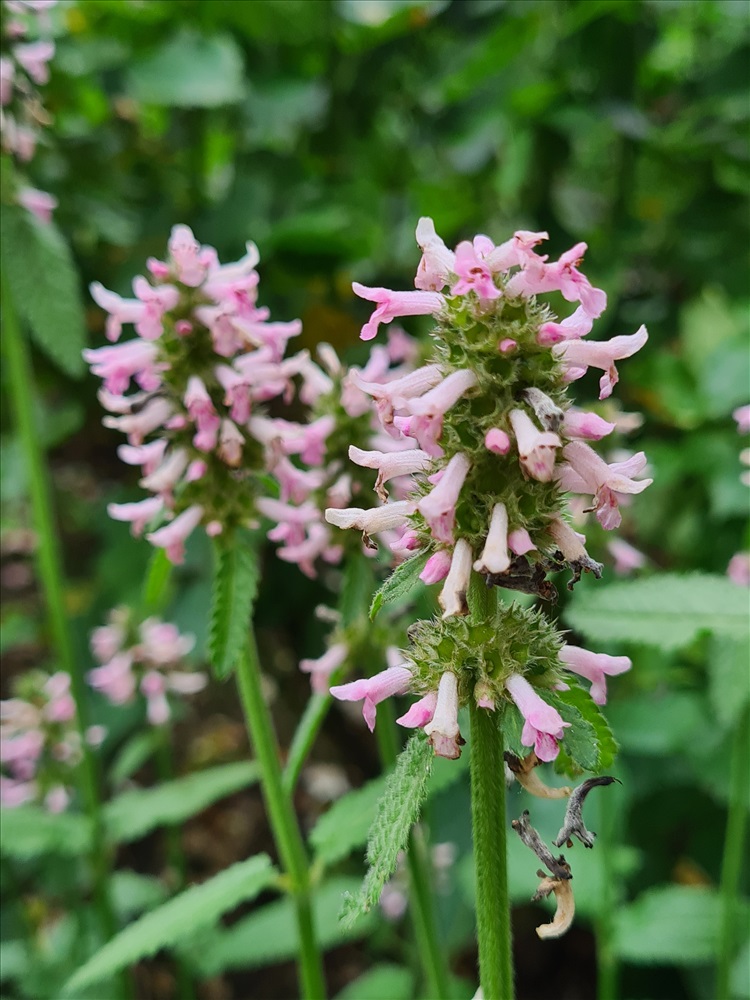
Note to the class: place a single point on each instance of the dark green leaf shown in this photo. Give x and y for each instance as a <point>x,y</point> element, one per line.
<point>31,830</point>
<point>399,584</point>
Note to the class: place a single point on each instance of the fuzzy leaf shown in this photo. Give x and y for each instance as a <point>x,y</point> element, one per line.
<point>30,830</point>
<point>43,282</point>
<point>668,611</point>
<point>236,574</point>
<point>399,584</point>
<point>398,809</point>
<point>674,923</point>
<point>135,813</point>
<point>594,726</point>
<point>197,907</point>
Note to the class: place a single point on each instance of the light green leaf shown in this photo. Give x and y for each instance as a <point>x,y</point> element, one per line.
<point>668,610</point>
<point>30,830</point>
<point>197,907</point>
<point>136,812</point>
<point>356,590</point>
<point>133,755</point>
<point>42,279</point>
<point>391,981</point>
<point>399,584</point>
<point>654,725</point>
<point>728,690</point>
<point>236,575</point>
<point>133,893</point>
<point>589,742</point>
<point>673,923</point>
<point>190,70</point>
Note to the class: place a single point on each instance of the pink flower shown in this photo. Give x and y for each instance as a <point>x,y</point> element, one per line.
<point>738,569</point>
<point>106,641</point>
<point>394,395</point>
<point>575,326</point>
<point>589,426</point>
<point>515,252</point>
<point>167,475</point>
<point>536,449</point>
<point>162,643</point>
<point>390,515</point>
<point>153,688</point>
<point>139,514</point>
<point>595,667</point>
<point>497,441</point>
<point>115,680</point>
<point>390,464</point>
<point>39,203</point>
<point>473,274</point>
<point>320,670</point>
<point>120,310</point>
<point>452,597</point>
<point>156,301</point>
<point>563,275</point>
<point>425,422</point>
<point>742,416</point>
<point>438,508</point>
<point>117,365</point>
<point>173,535</point>
<point>393,681</point>
<point>543,726</point>
<point>495,557</point>
<point>7,72</point>
<point>56,800</point>
<point>519,542</point>
<point>579,355</point>
<point>201,410</point>
<point>437,567</point>
<point>627,558</point>
<point>420,712</point>
<point>60,707</point>
<point>442,729</point>
<point>148,456</point>
<point>437,263</point>
<point>392,304</point>
<point>586,472</point>
<point>33,57</point>
<point>231,443</point>
<point>191,268</point>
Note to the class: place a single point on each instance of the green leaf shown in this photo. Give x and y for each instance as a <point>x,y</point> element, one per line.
<point>728,690</point>
<point>655,725</point>
<point>133,755</point>
<point>399,584</point>
<point>673,923</point>
<point>29,831</point>
<point>155,587</point>
<point>589,738</point>
<point>346,823</point>
<point>668,610</point>
<point>398,809</point>
<point>270,934</point>
<point>236,575</point>
<point>136,812</point>
<point>356,590</point>
<point>197,907</point>
<point>133,893</point>
<point>42,279</point>
<point>392,981</point>
<point>190,70</point>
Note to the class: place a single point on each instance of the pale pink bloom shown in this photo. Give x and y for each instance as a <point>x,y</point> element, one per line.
<point>231,443</point>
<point>495,557</point>
<point>407,542</point>
<point>214,529</point>
<point>519,542</point>
<point>627,558</point>
<point>395,394</point>
<point>138,514</point>
<point>738,569</point>
<point>166,477</point>
<point>420,712</point>
<point>442,729</point>
<point>575,326</point>
<point>202,412</point>
<point>390,464</point>
<point>452,597</point>
<point>56,800</point>
<point>437,263</point>
<point>391,304</point>
<point>156,301</point>
<point>7,72</point>
<point>33,57</point>
<point>437,567</point>
<point>393,902</point>
<point>315,382</point>
<point>483,696</point>
<point>184,682</point>
<point>537,449</point>
<point>106,641</point>
<point>438,508</point>
<point>515,252</point>
<point>60,707</point>
<point>373,690</point>
<point>473,274</point>
<point>21,746</point>
<point>303,551</point>
<point>120,310</point>
<point>425,422</point>
<point>172,536</point>
<point>390,515</point>
<point>153,688</point>
<point>579,355</point>
<point>339,493</point>
<point>497,441</point>
<point>320,670</point>
<point>227,278</point>
<point>116,365</point>
<point>148,456</point>
<point>586,472</point>
<point>39,203</point>
<point>16,793</point>
<point>742,417</point>
<point>595,667</point>
<point>589,426</point>
<point>569,542</point>
<point>401,347</point>
<point>161,642</point>
<point>184,249</point>
<point>507,345</point>
<point>276,510</point>
<point>115,679</point>
<point>543,726</point>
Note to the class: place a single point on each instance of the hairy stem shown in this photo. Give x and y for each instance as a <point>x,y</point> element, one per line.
<point>282,817</point>
<point>607,970</point>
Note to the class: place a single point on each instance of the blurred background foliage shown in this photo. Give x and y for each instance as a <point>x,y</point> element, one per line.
<point>322,129</point>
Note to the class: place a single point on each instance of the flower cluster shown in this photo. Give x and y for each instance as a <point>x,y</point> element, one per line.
<point>497,447</point>
<point>24,66</point>
<point>205,356</point>
<point>142,658</point>
<point>39,744</point>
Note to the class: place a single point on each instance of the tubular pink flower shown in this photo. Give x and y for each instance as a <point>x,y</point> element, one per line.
<point>420,713</point>
<point>115,679</point>
<point>390,515</point>
<point>569,542</point>
<point>589,426</point>
<point>373,690</point>
<point>575,326</point>
<point>519,542</point>
<point>320,670</point>
<point>586,472</point>
<point>452,597</point>
<point>595,667</point>
<point>515,252</point>
<point>390,464</point>
<point>543,726</point>
<point>437,263</point>
<point>231,443</point>
<point>39,203</point>
<point>137,425</point>
<point>495,557</point>
<point>497,441</point>
<point>437,567</point>
<point>139,514</point>
<point>165,478</point>
<point>394,395</point>
<point>120,310</point>
<point>33,58</point>
<point>537,449</point>
<point>237,392</point>
<point>107,640</point>
<point>117,365</point>
<point>203,414</point>
<point>184,250</point>
<point>148,456</point>
<point>303,553</point>
<point>153,688</point>
<point>742,418</point>
<point>627,557</point>
<point>392,304</point>
<point>442,729</point>
<point>296,484</point>
<point>162,643</point>
<point>425,422</point>
<point>738,569</point>
<point>156,301</point>
<point>183,682</point>
<point>173,535</point>
<point>438,508</point>
<point>473,274</point>
<point>507,345</point>
<point>579,355</point>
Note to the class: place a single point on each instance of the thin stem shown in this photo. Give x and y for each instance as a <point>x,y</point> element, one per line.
<point>304,737</point>
<point>607,967</point>
<point>734,852</point>
<point>49,568</point>
<point>281,815</point>
<point>490,855</point>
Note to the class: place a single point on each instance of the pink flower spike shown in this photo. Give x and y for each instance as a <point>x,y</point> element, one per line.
<point>393,681</point>
<point>436,568</point>
<point>392,304</point>
<point>320,670</point>
<point>494,557</point>
<point>519,542</point>
<point>473,274</point>
<point>578,355</point>
<point>497,441</point>
<point>742,417</point>
<point>595,667</point>
<point>437,263</point>
<point>139,514</point>
<point>173,535</point>
<point>626,557</point>
<point>443,731</point>
<point>452,597</point>
<point>543,726</point>
<point>537,449</point>
<point>420,713</point>
<point>574,327</point>
<point>438,508</point>
<point>588,426</point>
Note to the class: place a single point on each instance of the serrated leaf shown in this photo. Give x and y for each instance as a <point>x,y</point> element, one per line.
<point>197,907</point>
<point>43,282</point>
<point>135,813</point>
<point>392,981</point>
<point>398,809</point>
<point>728,690</point>
<point>673,923</point>
<point>668,611</point>
<point>133,893</point>
<point>30,830</point>
<point>604,742</point>
<point>270,934</point>
<point>399,584</point>
<point>236,575</point>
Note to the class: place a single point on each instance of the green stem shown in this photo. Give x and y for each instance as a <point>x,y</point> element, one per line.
<point>490,856</point>
<point>49,567</point>
<point>607,969</point>
<point>734,852</point>
<point>281,815</point>
<point>304,736</point>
